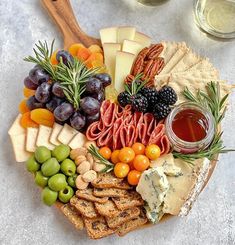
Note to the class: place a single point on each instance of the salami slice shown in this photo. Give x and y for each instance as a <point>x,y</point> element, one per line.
<point>107,113</point>
<point>116,133</point>
<point>157,133</point>
<point>93,131</point>
<point>164,145</point>
<point>105,138</point>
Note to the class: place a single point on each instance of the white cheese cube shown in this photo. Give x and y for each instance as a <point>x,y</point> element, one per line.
<point>125,32</point>
<point>44,134</point>
<point>54,134</point>
<point>132,47</point>
<point>108,35</point>
<point>66,134</point>
<point>31,138</point>
<point>77,141</point>
<point>16,128</point>
<point>142,38</point>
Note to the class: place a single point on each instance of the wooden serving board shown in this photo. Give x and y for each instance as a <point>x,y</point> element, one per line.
<point>62,13</point>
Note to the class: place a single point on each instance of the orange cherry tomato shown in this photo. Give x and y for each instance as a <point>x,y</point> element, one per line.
<point>105,152</point>
<point>133,177</point>
<point>126,155</point>
<point>114,156</point>
<point>138,148</point>
<point>121,170</point>
<point>131,165</point>
<point>153,152</point>
<point>141,163</point>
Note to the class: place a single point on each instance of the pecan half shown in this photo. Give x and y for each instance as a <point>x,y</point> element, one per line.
<point>154,51</point>
<point>138,66</point>
<point>144,52</point>
<point>129,79</point>
<point>161,64</point>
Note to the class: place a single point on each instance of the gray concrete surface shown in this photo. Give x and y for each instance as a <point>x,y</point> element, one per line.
<point>23,218</point>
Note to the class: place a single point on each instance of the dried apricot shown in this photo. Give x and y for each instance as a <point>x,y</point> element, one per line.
<point>73,49</point>
<point>28,92</point>
<point>23,107</point>
<point>53,59</point>
<point>27,122</point>
<point>95,48</point>
<point>43,116</point>
<point>83,54</point>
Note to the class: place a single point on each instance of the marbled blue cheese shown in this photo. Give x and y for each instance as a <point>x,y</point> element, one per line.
<point>152,187</point>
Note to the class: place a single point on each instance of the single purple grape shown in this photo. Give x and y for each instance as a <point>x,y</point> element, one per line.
<point>92,118</point>
<point>90,105</point>
<point>63,112</point>
<point>53,103</point>
<point>78,121</point>
<point>93,85</point>
<point>104,78</point>
<point>65,56</point>
<point>37,75</point>
<point>43,92</point>
<point>98,96</point>
<point>32,103</point>
<point>29,83</point>
<point>57,90</point>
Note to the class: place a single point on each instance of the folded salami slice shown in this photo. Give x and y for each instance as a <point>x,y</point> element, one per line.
<point>105,138</point>
<point>164,145</point>
<point>93,132</point>
<point>157,134</point>
<point>107,113</point>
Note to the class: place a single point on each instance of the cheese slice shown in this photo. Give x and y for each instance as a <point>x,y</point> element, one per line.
<point>132,47</point>
<point>125,32</point>
<point>16,128</point>
<point>54,134</point>
<point>77,141</point>
<point>31,138</point>
<point>44,133</point>
<point>123,67</point>
<point>108,35</point>
<point>142,39</point>
<point>110,51</point>
<point>66,134</point>
<point>18,143</point>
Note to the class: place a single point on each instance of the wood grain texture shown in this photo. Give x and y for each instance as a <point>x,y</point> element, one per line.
<point>62,14</point>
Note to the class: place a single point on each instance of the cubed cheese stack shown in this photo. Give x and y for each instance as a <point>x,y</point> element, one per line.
<point>121,46</point>
<point>25,141</point>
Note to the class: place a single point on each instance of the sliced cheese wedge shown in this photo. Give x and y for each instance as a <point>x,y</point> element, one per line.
<point>54,134</point>
<point>123,66</point>
<point>110,51</point>
<point>125,32</point>
<point>18,143</point>
<point>44,134</point>
<point>142,39</point>
<point>77,141</point>
<point>108,35</point>
<point>132,47</point>
<point>66,135</point>
<point>16,128</point>
<point>31,139</point>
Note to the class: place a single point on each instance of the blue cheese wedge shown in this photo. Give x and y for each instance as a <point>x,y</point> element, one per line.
<point>66,134</point>
<point>152,187</point>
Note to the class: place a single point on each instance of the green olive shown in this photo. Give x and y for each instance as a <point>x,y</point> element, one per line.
<point>68,167</point>
<point>61,152</point>
<point>42,154</point>
<point>49,196</point>
<point>32,165</point>
<point>57,182</point>
<point>71,180</point>
<point>66,194</point>
<point>40,180</point>
<point>50,167</point>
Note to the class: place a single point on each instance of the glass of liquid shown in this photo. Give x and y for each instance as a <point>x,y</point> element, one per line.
<point>216,17</point>
<point>151,2</point>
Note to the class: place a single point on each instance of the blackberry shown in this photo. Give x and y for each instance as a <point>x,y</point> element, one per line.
<point>152,96</point>
<point>167,95</point>
<point>161,111</point>
<point>124,99</point>
<point>139,103</point>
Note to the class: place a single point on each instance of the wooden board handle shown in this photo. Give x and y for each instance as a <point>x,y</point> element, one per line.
<point>62,13</point>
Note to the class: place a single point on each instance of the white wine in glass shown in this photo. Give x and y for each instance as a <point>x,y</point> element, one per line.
<point>217,17</point>
<point>152,2</point>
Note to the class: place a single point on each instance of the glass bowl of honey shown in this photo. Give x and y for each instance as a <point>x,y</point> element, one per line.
<point>190,128</point>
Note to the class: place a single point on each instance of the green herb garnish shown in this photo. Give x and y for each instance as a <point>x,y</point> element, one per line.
<point>213,102</point>
<point>135,86</point>
<point>95,153</point>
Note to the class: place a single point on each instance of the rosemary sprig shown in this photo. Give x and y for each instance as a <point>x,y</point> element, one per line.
<point>213,102</point>
<point>135,87</point>
<point>108,165</point>
<point>42,57</point>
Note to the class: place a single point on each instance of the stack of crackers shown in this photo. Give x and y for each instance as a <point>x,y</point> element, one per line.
<point>108,206</point>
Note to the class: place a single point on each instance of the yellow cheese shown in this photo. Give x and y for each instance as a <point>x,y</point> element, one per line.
<point>123,66</point>
<point>18,143</point>
<point>66,134</point>
<point>132,47</point>
<point>31,139</point>
<point>108,35</point>
<point>77,141</point>
<point>16,128</point>
<point>110,51</point>
<point>54,134</point>
<point>125,32</point>
<point>142,38</point>
<point>44,134</point>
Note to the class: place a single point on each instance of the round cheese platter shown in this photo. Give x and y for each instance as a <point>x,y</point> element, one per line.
<point>119,132</point>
